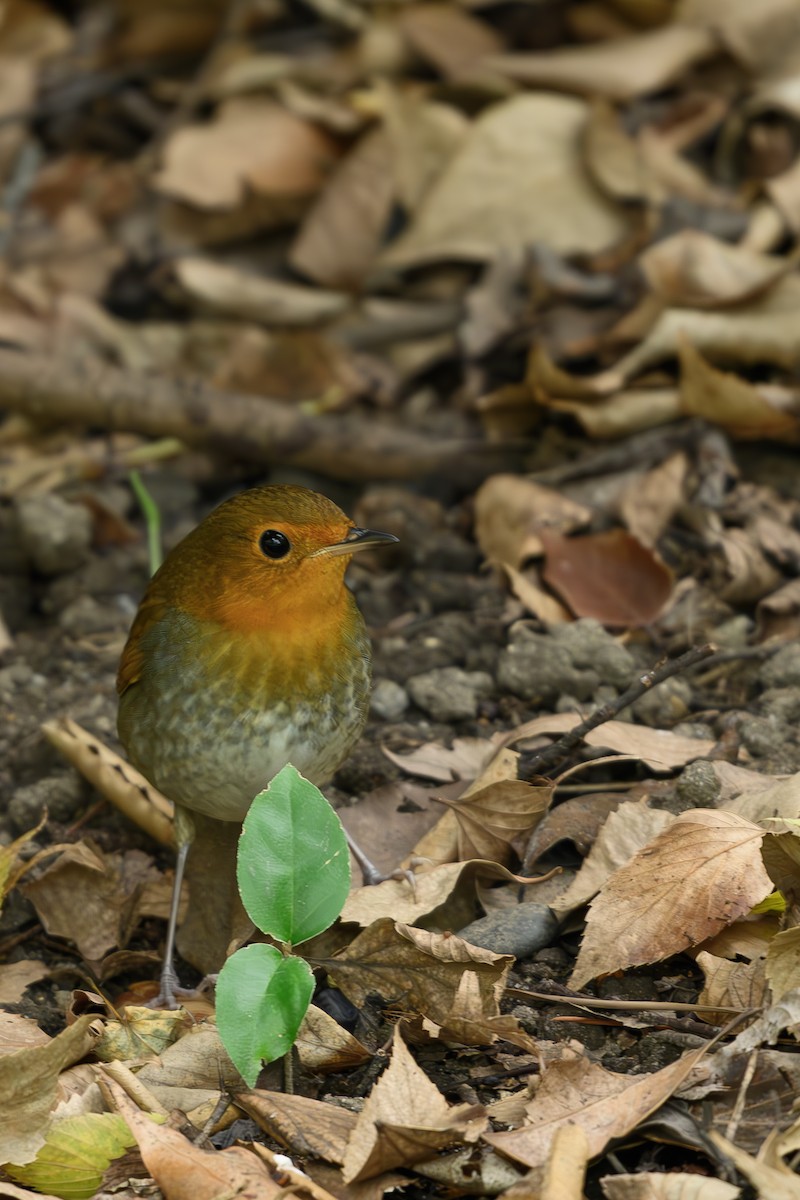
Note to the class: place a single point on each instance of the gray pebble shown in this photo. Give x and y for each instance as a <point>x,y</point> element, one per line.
<point>521,930</point>
<point>663,705</point>
<point>590,645</point>
<point>699,785</point>
<point>389,700</point>
<point>55,534</point>
<point>448,693</point>
<point>782,703</point>
<point>783,669</point>
<point>539,669</point>
<point>61,795</point>
<point>764,737</point>
<point>85,617</point>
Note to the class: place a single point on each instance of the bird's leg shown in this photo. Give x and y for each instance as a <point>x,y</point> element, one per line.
<point>169,989</point>
<point>372,874</point>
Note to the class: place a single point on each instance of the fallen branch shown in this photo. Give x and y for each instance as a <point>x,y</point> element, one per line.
<point>251,428</point>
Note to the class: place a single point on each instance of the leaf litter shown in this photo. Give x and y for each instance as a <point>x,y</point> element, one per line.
<point>551,240</point>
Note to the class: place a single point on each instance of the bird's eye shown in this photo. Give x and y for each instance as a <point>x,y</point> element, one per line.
<point>274,544</point>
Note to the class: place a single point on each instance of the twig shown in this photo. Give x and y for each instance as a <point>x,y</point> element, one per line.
<point>250,428</point>
<point>569,741</point>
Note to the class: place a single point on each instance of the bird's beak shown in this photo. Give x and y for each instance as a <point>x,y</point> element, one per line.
<point>357,539</point>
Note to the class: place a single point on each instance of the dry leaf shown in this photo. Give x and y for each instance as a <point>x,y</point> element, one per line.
<point>310,1128</point>
<point>604,1104</point>
<point>651,500</point>
<point>621,68</point>
<point>695,877</point>
<point>251,143</point>
<point>451,39</point>
<point>339,239</point>
<point>491,820</point>
<point>510,511</point>
<point>745,410</point>
<point>661,749</point>
<point>217,288</point>
<point>622,836</point>
<point>405,1120</point>
<point>691,269</point>
<point>419,971</point>
<point>609,576</point>
<point>90,898</point>
<point>17,976</point>
<point>523,150</point>
<point>650,1185</point>
<point>29,1086</point>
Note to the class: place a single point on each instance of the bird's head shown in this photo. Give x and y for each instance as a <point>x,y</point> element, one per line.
<point>264,557</point>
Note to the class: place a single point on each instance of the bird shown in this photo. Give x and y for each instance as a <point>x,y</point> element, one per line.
<point>247,652</point>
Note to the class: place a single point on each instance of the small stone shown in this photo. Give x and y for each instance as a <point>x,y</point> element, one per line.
<point>699,784</point>
<point>85,617</point>
<point>389,700</point>
<point>55,534</point>
<point>521,930</point>
<point>764,737</point>
<point>663,705</point>
<point>539,669</point>
<point>448,693</point>
<point>783,668</point>
<point>590,645</point>
<point>734,633</point>
<point>781,703</point>
<point>61,795</point>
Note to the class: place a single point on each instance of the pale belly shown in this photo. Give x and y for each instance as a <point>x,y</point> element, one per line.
<point>213,755</point>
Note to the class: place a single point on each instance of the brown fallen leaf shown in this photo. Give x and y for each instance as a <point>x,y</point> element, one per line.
<point>309,1128</point>
<point>775,1181</point>
<point>29,1080</point>
<point>578,820</point>
<point>323,1045</point>
<point>630,827</point>
<point>251,143</point>
<point>491,820</point>
<point>745,410</point>
<point>184,1171</point>
<point>16,976</point>
<point>691,269</point>
<point>91,898</point>
<point>509,512</point>
<point>650,501</point>
<point>609,576</point>
<point>406,1119</point>
<point>340,237</point>
<point>417,970</point>
<point>694,878</point>
<point>730,985</point>
<point>661,749</point>
<point>605,1105</point>
<point>525,146</point>
<point>443,898</point>
<point>620,68</point>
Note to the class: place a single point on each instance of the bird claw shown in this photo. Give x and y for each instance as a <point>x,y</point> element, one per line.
<point>171,993</point>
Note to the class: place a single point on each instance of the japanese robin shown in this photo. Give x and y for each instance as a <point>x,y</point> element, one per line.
<point>248,651</point>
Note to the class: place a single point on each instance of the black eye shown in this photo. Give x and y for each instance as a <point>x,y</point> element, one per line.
<point>274,544</point>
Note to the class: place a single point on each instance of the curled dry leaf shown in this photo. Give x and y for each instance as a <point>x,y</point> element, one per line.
<point>609,576</point>
<point>650,501</point>
<point>17,976</point>
<point>420,971</point>
<point>745,410</point>
<point>510,511</point>
<point>491,820</point>
<point>694,878</point>
<point>691,269</point>
<point>523,148</point>
<point>221,289</point>
<point>405,1120</point>
<point>661,749</point>
<point>29,1080</point>
<point>730,985</point>
<point>443,897</point>
<point>619,68</point>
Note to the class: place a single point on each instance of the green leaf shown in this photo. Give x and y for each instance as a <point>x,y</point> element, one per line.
<point>77,1152</point>
<point>262,998</point>
<point>293,864</point>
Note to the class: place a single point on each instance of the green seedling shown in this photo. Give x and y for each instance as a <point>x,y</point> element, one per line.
<point>293,871</point>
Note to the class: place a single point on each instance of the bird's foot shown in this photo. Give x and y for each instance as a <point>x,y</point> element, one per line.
<point>170,992</point>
